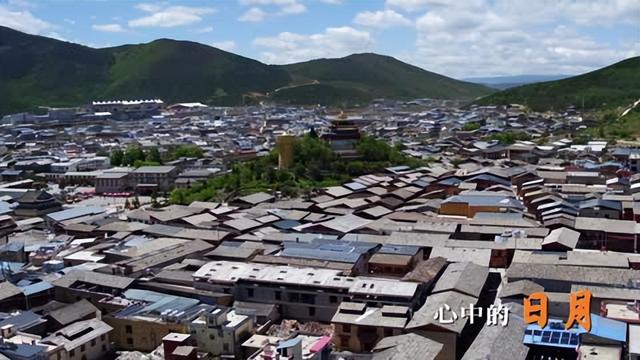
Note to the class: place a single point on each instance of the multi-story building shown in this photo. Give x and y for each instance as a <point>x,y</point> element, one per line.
<point>154,178</point>
<point>221,331</point>
<point>82,340</point>
<point>150,316</point>
<point>302,293</point>
<point>116,180</point>
<point>128,109</point>
<point>82,164</point>
<point>358,327</point>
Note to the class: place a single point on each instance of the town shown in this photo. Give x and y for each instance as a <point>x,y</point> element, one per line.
<point>139,229</point>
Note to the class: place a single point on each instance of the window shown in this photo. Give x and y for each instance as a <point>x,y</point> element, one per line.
<point>388,332</point>
<point>82,348</point>
<point>225,346</point>
<point>130,341</point>
<point>72,353</point>
<point>128,329</point>
<point>211,337</point>
<point>333,299</point>
<point>104,347</point>
<point>312,311</point>
<point>93,342</point>
<point>278,295</point>
<point>346,328</point>
<point>308,298</point>
<point>344,340</point>
<point>102,337</point>
<point>250,292</point>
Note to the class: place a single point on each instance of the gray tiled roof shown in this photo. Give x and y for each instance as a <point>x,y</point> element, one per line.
<point>467,278</point>
<point>498,342</point>
<point>425,315</point>
<point>407,347</point>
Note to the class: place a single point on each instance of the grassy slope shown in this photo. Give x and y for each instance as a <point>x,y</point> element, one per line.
<point>182,70</point>
<point>35,70</point>
<point>609,87</point>
<point>609,127</point>
<point>38,71</point>
<point>371,76</point>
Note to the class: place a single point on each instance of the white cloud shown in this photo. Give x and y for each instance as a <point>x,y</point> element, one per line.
<point>253,15</point>
<point>278,8</point>
<point>415,5</point>
<point>290,47</point>
<point>147,7</point>
<point>381,19</point>
<point>113,28</point>
<point>505,37</point>
<point>292,9</point>
<point>21,3</point>
<point>268,2</point>
<point>603,12</point>
<point>69,21</point>
<point>170,16</point>
<point>206,29</point>
<point>332,2</point>
<point>23,20</point>
<point>224,45</point>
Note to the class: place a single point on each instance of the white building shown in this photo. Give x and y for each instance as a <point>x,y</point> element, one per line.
<point>82,340</point>
<point>221,332</point>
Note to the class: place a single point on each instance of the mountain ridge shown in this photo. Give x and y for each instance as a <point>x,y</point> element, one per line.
<point>509,81</point>
<point>605,88</point>
<point>40,71</point>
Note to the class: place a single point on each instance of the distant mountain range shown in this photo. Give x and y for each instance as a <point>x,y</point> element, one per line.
<point>506,82</point>
<point>39,71</point>
<point>605,88</point>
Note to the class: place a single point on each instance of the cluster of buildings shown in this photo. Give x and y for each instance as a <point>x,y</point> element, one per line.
<point>388,265</point>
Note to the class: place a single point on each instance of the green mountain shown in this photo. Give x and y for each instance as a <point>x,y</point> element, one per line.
<point>39,71</point>
<point>612,86</point>
<point>362,77</point>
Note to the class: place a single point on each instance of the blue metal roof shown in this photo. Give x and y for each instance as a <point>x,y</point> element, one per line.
<point>420,183</point>
<point>286,224</point>
<point>13,246</point>
<point>76,212</point>
<point>289,343</point>
<point>23,351</point>
<point>399,249</point>
<point>555,334</point>
<point>36,288</point>
<point>158,302</point>
<point>5,208</point>
<point>449,181</point>
<point>355,186</point>
<point>488,200</point>
<point>611,204</point>
<point>21,321</point>
<point>329,250</point>
<point>608,329</point>
<point>490,177</point>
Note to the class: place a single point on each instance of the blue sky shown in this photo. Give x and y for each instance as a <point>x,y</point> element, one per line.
<point>460,38</point>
